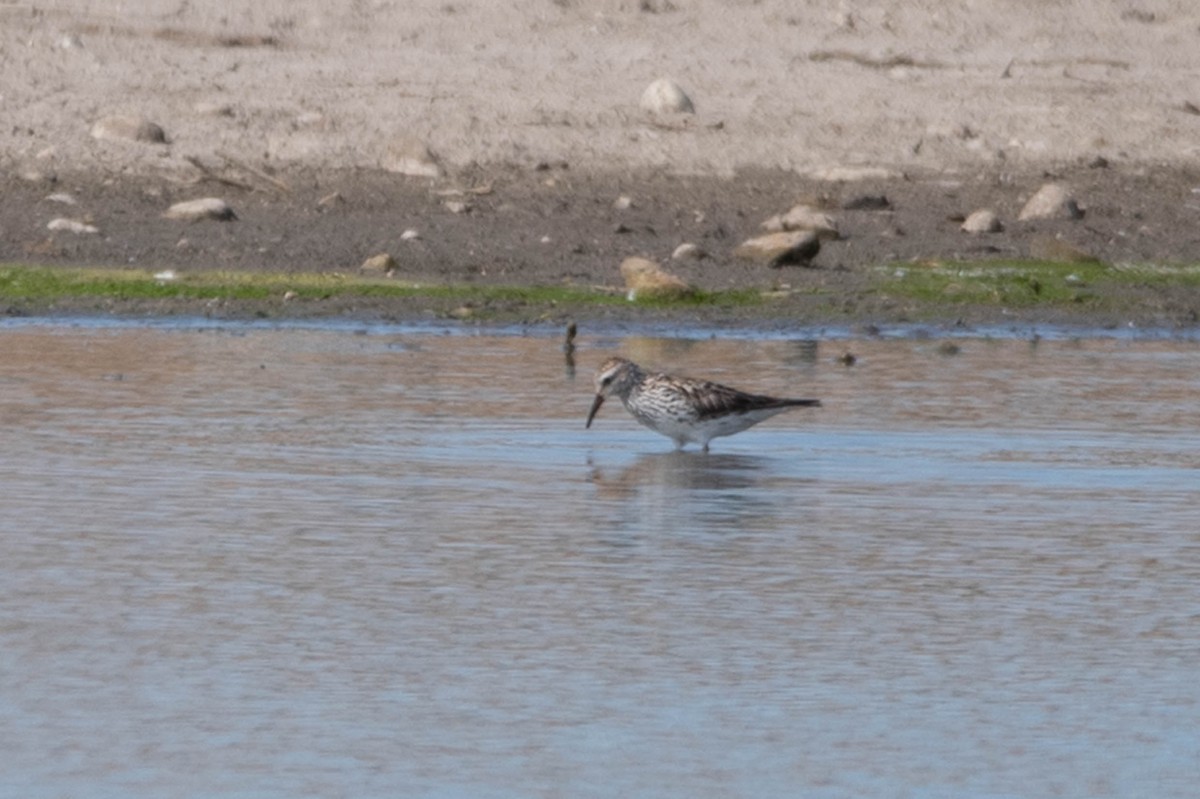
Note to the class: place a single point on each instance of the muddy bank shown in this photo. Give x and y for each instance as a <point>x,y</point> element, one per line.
<point>552,225</point>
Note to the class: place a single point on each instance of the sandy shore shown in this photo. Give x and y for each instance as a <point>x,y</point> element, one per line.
<point>305,119</point>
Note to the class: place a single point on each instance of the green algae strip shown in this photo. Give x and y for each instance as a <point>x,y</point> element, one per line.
<point>1027,283</point>
<point>42,285</point>
<point>929,285</point>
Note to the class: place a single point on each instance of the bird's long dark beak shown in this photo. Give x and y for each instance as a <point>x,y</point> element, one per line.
<point>596,403</point>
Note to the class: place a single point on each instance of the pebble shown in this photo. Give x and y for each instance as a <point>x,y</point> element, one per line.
<point>623,203</point>
<point>1052,201</point>
<point>982,221</point>
<point>778,249</point>
<point>204,208</point>
<point>410,156</point>
<point>383,263</point>
<point>688,252</point>
<point>128,128</point>
<point>644,279</point>
<point>665,96</point>
<point>804,217</point>
<point>62,197</point>
<point>213,108</point>
<point>71,225</point>
<point>410,235</point>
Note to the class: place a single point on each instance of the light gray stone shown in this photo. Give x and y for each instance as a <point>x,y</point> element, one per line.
<point>203,208</point>
<point>982,221</point>
<point>804,217</point>
<point>71,226</point>
<point>128,128</point>
<point>665,96</point>
<point>778,249</point>
<point>688,252</point>
<point>1052,201</point>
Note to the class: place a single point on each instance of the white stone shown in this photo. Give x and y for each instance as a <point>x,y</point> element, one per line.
<point>982,221</point>
<point>804,217</point>
<point>213,108</point>
<point>1052,201</point>
<point>71,225</point>
<point>665,96</point>
<point>128,128</point>
<point>204,208</point>
<point>777,249</point>
<point>688,252</point>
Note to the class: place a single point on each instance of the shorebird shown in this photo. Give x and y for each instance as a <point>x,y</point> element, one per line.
<point>684,410</point>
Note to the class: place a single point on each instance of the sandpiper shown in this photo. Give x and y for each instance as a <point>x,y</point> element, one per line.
<point>684,410</point>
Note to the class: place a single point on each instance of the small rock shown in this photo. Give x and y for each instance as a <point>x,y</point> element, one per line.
<point>664,96</point>
<point>409,156</point>
<point>71,225</point>
<point>1051,201</point>
<point>166,276</point>
<point>623,203</point>
<point>778,249</point>
<point>644,279</point>
<point>982,221</point>
<point>382,263</point>
<point>457,206</point>
<point>128,128</point>
<point>804,217</point>
<point>688,252</point>
<point>213,108</point>
<point>62,197</point>
<point>204,208</point>
<point>410,235</point>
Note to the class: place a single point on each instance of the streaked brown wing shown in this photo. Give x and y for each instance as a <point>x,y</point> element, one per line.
<point>714,399</point>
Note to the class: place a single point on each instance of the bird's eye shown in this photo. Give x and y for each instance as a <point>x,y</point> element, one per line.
<point>606,380</point>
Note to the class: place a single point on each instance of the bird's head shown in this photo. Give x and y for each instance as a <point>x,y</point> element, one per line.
<point>614,376</point>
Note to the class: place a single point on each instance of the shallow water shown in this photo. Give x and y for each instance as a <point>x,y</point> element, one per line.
<point>253,562</point>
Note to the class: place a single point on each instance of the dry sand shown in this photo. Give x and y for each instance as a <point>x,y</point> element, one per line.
<point>789,84</point>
